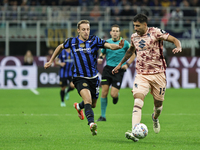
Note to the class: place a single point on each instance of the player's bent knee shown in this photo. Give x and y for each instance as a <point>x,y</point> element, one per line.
<point>138,96</point>
<point>138,103</point>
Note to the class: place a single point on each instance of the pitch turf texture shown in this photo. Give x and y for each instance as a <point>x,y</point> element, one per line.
<point>37,122</point>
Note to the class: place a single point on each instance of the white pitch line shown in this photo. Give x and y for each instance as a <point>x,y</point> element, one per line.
<point>34,91</point>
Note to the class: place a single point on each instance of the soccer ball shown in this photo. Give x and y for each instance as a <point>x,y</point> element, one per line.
<point>140,130</point>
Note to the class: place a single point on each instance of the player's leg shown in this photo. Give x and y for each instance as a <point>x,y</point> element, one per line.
<point>62,94</point>
<point>137,108</point>
<point>105,84</point>
<point>141,88</point>
<point>158,105</point>
<point>104,102</point>
<point>157,111</point>
<point>63,85</point>
<point>88,90</point>
<point>114,92</point>
<point>70,88</point>
<point>158,92</point>
<point>94,89</point>
<point>78,83</point>
<point>86,95</point>
<point>116,85</point>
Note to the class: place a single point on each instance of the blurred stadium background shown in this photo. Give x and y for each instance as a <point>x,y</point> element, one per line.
<point>34,120</point>
<point>41,25</point>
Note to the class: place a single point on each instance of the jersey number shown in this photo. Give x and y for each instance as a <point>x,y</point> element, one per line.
<point>162,91</point>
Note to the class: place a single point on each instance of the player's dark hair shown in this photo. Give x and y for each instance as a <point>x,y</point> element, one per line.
<point>141,18</point>
<point>82,22</point>
<point>115,25</point>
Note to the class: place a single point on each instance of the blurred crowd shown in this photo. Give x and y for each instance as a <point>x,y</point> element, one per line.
<point>177,12</point>
<point>164,3</point>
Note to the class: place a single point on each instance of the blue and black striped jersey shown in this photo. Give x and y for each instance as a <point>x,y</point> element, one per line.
<point>85,55</point>
<point>66,57</point>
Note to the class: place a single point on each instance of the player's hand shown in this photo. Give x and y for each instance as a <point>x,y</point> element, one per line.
<point>100,61</point>
<point>125,67</point>
<point>121,43</point>
<point>47,65</point>
<point>62,64</point>
<point>176,50</point>
<point>116,69</point>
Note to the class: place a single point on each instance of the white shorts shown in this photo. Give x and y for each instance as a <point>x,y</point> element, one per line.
<point>155,82</point>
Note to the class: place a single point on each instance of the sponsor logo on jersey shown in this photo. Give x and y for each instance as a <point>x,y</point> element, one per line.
<point>85,84</point>
<point>82,45</point>
<point>85,50</point>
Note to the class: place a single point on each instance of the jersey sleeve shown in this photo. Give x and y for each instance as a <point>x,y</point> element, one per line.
<point>66,44</point>
<point>100,42</point>
<point>161,33</point>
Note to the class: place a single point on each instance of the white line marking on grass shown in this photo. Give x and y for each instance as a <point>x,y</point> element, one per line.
<point>34,91</point>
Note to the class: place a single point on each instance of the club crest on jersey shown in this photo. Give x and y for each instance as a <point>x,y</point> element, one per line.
<point>60,83</point>
<point>82,45</point>
<point>85,84</point>
<point>136,85</point>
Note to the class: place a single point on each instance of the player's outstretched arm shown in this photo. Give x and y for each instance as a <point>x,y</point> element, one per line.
<point>128,54</point>
<point>55,54</point>
<point>114,46</point>
<point>129,62</point>
<point>176,42</point>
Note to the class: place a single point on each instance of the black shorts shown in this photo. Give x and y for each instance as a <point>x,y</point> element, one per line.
<point>115,79</point>
<point>90,84</point>
<point>65,81</point>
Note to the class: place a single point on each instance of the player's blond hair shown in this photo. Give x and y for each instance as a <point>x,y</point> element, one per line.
<point>82,22</point>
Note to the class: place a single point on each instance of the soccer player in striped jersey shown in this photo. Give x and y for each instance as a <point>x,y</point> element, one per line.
<point>65,61</point>
<point>150,67</point>
<point>113,58</point>
<point>85,48</point>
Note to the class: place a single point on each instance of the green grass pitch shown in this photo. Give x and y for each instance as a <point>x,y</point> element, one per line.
<point>37,122</point>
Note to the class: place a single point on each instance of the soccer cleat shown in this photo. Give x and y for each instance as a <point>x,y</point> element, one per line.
<point>93,128</point>
<point>80,112</point>
<point>129,135</point>
<point>101,119</point>
<point>67,96</point>
<point>156,124</point>
<point>63,104</point>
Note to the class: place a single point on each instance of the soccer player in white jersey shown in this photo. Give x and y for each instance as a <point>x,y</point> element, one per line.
<point>150,67</point>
